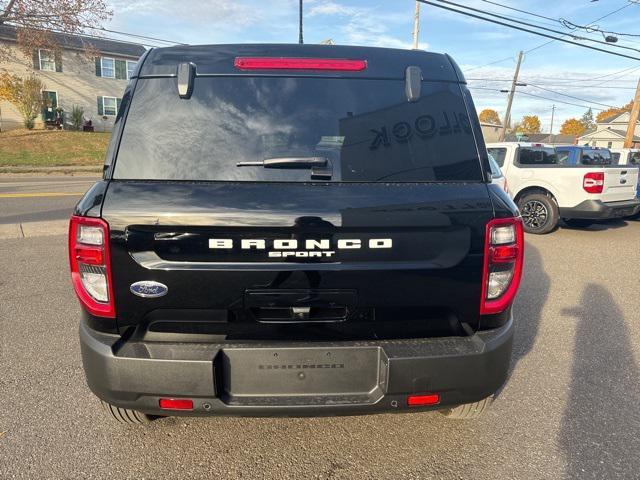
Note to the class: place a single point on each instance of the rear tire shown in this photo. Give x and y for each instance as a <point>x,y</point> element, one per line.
<point>126,415</point>
<point>539,213</point>
<point>578,222</point>
<point>468,411</point>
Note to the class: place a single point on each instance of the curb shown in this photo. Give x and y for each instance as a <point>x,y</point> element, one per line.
<point>34,229</point>
<point>68,170</point>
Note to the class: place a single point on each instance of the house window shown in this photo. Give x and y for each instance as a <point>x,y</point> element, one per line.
<point>609,144</point>
<point>108,67</point>
<point>131,66</point>
<point>109,106</point>
<point>47,60</point>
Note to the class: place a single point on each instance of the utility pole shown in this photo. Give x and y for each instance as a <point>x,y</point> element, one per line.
<point>416,26</point>
<point>553,111</point>
<point>514,84</point>
<point>300,28</point>
<point>633,119</point>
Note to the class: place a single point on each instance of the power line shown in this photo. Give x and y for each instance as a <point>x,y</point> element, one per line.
<point>567,23</point>
<point>612,74</point>
<point>498,80</point>
<point>587,28</point>
<point>562,101</point>
<point>575,37</point>
<point>590,47</point>
<point>489,64</point>
<point>570,96</point>
<point>87,35</point>
<point>508,58</point>
<point>541,97</point>
<point>550,41</point>
<point>615,75</point>
<point>135,35</point>
<point>521,11</point>
<point>613,78</point>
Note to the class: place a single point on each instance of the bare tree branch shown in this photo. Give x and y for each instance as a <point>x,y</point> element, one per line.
<point>35,19</point>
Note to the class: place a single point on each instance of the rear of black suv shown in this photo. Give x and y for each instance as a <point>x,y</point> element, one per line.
<point>295,230</point>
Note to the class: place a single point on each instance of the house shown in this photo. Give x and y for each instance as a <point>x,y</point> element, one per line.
<point>72,77</point>
<point>611,132</point>
<point>546,138</point>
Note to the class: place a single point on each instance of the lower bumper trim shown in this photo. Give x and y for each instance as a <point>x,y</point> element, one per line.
<point>460,369</point>
<point>599,210</point>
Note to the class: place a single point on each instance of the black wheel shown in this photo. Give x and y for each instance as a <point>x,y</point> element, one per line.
<point>125,415</point>
<point>539,213</point>
<point>578,222</point>
<point>468,411</point>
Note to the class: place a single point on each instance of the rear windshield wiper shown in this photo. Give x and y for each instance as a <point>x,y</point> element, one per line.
<point>287,162</point>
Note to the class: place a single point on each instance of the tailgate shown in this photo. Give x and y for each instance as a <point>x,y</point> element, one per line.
<point>265,260</point>
<point>620,183</point>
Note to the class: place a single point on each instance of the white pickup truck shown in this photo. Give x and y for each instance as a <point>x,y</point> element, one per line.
<point>547,186</point>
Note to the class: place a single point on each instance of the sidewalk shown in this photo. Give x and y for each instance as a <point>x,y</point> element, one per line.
<point>33,229</point>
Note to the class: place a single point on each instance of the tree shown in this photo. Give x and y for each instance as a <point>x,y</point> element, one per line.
<point>34,20</point>
<point>490,116</point>
<point>530,124</point>
<point>572,126</point>
<point>23,93</point>
<point>587,120</point>
<point>603,115</point>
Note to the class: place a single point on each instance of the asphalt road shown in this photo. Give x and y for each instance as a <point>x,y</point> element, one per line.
<point>33,199</point>
<point>569,410</point>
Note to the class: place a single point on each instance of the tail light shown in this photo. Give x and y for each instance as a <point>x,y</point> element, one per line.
<point>90,261</point>
<point>281,63</point>
<point>593,182</point>
<point>503,259</point>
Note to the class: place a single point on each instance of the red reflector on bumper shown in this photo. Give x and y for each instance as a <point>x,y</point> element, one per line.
<point>422,400</point>
<point>176,404</point>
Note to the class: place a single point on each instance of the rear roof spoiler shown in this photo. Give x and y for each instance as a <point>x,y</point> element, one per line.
<point>218,60</point>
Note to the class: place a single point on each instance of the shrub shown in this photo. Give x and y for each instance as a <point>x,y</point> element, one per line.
<point>77,117</point>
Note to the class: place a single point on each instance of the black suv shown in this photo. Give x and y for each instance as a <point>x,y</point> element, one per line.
<point>295,230</point>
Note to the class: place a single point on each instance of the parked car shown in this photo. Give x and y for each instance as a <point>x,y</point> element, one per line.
<point>309,235</point>
<point>497,177</point>
<point>548,186</point>
<point>630,157</point>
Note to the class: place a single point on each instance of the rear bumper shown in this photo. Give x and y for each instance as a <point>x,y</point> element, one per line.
<point>136,375</point>
<point>598,210</point>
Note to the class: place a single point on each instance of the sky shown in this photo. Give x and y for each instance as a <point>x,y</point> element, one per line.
<point>473,43</point>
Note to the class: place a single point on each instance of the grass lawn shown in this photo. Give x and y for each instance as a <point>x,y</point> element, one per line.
<point>50,148</point>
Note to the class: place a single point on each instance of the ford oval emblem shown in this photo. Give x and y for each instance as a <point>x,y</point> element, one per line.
<point>149,289</point>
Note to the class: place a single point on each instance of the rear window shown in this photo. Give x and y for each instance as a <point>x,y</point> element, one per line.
<point>615,158</point>
<point>495,169</point>
<point>365,130</point>
<point>498,154</point>
<point>634,158</point>
<point>537,156</point>
<point>595,157</point>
